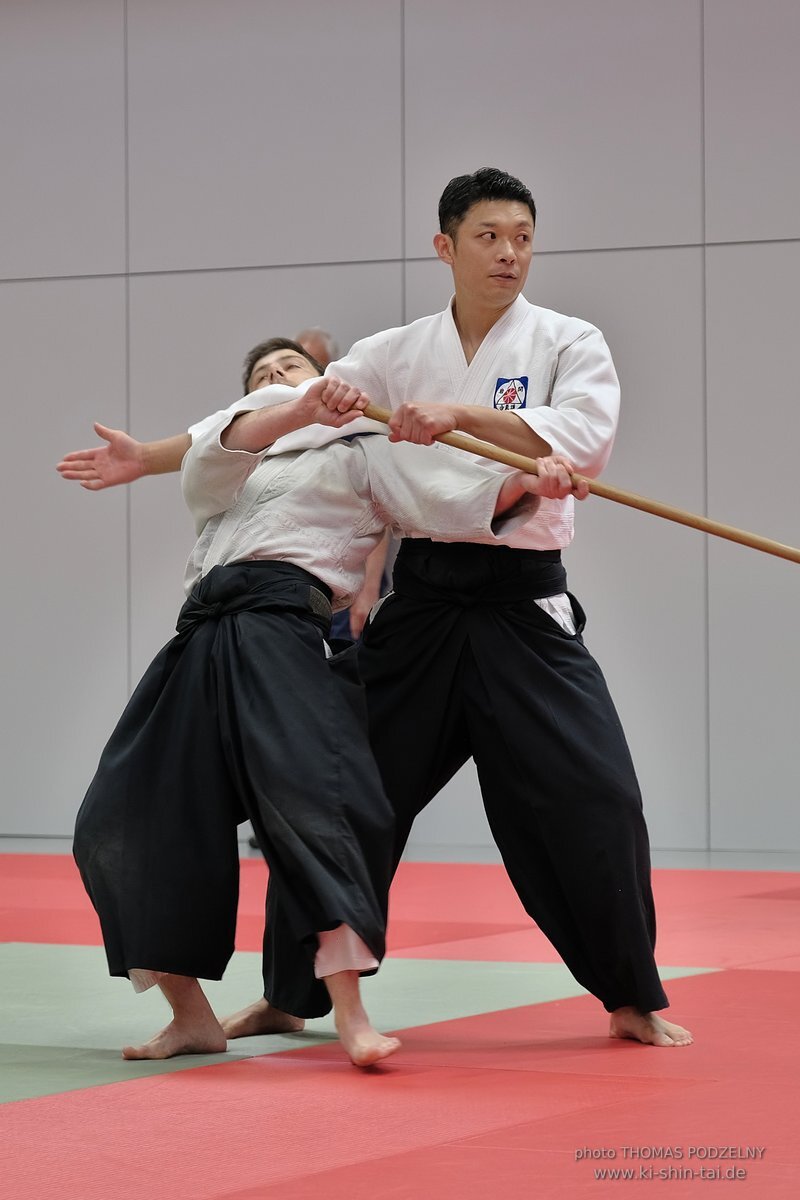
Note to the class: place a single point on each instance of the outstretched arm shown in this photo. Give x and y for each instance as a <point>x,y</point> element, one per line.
<point>123,459</point>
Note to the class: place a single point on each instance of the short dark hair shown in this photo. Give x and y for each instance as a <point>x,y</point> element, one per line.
<point>269,347</point>
<point>486,184</point>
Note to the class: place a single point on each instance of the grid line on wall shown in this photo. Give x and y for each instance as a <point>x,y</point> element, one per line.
<point>127,238</point>
<point>373,262</point>
<point>704,403</point>
<point>403,259</point>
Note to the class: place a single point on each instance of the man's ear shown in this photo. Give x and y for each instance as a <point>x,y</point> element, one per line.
<point>443,245</point>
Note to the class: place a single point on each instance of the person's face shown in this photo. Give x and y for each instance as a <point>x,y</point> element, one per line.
<point>491,252</point>
<point>281,366</point>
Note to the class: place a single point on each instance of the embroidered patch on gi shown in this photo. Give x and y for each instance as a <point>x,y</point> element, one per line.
<point>510,393</point>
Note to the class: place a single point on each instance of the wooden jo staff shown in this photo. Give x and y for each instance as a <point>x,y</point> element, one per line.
<point>487,450</point>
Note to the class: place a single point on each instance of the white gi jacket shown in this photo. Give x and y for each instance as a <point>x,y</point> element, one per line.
<point>325,507</point>
<point>553,371</point>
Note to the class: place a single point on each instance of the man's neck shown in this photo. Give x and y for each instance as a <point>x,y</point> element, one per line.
<point>474,323</point>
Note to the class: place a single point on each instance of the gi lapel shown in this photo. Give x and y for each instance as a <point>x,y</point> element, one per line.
<point>474,383</point>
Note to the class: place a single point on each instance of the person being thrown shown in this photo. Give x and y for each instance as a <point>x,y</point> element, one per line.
<point>241,714</point>
<point>124,459</point>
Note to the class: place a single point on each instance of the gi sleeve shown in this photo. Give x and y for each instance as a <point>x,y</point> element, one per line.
<point>581,418</point>
<point>366,366</point>
<point>212,477</point>
<point>422,492</point>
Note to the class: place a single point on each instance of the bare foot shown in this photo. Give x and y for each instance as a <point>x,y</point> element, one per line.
<point>207,1038</point>
<point>648,1028</point>
<point>193,1030</point>
<point>364,1045</point>
<point>260,1018</point>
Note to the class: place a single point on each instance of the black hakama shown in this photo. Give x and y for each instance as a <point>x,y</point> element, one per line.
<point>239,716</point>
<point>461,662</point>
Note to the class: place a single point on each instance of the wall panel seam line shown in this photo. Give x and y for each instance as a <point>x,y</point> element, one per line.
<point>403,306</point>
<point>376,262</point>
<point>127,228</point>
<point>704,351</point>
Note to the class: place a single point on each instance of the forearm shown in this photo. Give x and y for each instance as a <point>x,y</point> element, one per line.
<point>370,590</point>
<point>323,401</point>
<point>504,429</point>
<point>256,430</point>
<point>162,457</point>
<point>373,568</point>
<point>423,423</point>
<point>553,479</point>
<point>510,493</point>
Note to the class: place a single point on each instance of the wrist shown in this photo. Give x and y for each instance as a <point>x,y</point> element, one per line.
<point>511,492</point>
<point>458,414</point>
<point>370,592</point>
<point>143,461</point>
<point>305,410</point>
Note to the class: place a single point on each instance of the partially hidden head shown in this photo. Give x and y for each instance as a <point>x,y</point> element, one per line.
<point>319,343</point>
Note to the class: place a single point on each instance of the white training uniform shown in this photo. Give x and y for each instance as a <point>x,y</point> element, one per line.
<point>552,371</point>
<point>232,706</point>
<point>325,507</point>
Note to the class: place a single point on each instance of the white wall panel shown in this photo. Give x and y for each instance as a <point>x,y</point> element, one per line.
<point>752,86</point>
<point>62,200</point>
<point>597,107</point>
<point>258,135</point>
<point>189,334</point>
<point>263,133</point>
<point>64,603</point>
<point>641,579</point>
<point>754,432</point>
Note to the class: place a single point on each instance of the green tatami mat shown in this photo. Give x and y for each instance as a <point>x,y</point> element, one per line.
<point>64,1020</point>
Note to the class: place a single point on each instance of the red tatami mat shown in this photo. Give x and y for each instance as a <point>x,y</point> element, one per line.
<point>515,1105</point>
<point>458,911</point>
<point>507,1105</point>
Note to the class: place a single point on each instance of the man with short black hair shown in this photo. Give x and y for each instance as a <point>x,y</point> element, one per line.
<point>478,649</point>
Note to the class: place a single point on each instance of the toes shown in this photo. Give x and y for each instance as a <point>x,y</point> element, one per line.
<point>679,1035</point>
<point>651,1031</point>
<point>135,1053</point>
<point>373,1052</point>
